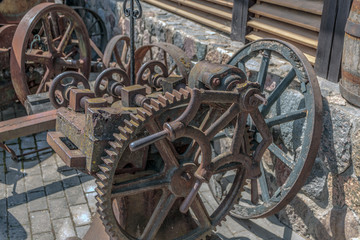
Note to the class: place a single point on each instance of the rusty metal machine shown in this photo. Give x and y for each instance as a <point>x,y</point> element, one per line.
<point>158,130</point>
<point>39,40</point>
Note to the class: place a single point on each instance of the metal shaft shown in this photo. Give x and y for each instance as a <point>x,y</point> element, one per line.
<point>132,43</point>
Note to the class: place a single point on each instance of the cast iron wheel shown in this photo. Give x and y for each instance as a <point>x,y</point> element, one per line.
<point>296,126</point>
<point>96,29</point>
<point>117,52</point>
<point>172,57</point>
<point>124,179</point>
<point>108,80</point>
<point>50,39</point>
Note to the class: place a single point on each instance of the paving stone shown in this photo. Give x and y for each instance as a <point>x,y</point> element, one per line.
<point>37,201</point>
<point>19,232</point>
<point>81,214</point>
<point>92,201</point>
<point>71,182</point>
<point>51,161</point>
<point>88,184</point>
<point>32,168</point>
<point>16,199</point>
<point>18,215</point>
<point>44,236</point>
<point>63,228</point>
<point>58,208</point>
<point>34,183</point>
<point>75,196</point>
<point>40,222</point>
<point>50,173</point>
<point>81,231</point>
<point>3,207</point>
<point>3,227</point>
<point>54,190</point>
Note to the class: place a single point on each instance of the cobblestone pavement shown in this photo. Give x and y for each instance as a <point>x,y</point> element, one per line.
<point>42,199</point>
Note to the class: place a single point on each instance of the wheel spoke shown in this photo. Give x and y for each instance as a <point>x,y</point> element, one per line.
<point>45,78</point>
<point>172,69</point>
<point>262,74</point>
<point>241,66</point>
<point>139,185</point>
<point>273,97</point>
<point>165,59</point>
<point>118,57</point>
<point>49,38</point>
<point>164,146</point>
<point>92,25</point>
<point>263,185</point>
<point>162,209</point>
<point>282,156</point>
<point>66,37</point>
<point>238,137</point>
<point>222,121</point>
<point>200,212</point>
<point>124,52</point>
<point>284,118</point>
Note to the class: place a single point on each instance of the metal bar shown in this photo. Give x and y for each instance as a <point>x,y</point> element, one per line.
<point>24,126</point>
<point>286,117</point>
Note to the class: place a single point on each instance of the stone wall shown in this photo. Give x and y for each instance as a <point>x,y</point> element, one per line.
<point>328,206</point>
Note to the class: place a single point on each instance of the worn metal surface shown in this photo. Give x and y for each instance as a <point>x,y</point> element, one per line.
<point>145,150</point>
<point>350,68</point>
<point>116,53</point>
<point>110,82</point>
<point>44,44</point>
<point>59,93</point>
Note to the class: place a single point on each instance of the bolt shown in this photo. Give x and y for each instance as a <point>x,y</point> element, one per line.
<point>215,82</point>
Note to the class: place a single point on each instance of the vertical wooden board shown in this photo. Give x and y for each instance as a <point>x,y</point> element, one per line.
<point>326,37</point>
<point>338,41</point>
<point>239,19</point>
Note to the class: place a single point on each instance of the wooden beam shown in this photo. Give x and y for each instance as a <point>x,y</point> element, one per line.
<point>326,38</point>
<point>240,16</point>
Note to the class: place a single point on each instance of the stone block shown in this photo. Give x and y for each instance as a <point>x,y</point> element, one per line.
<point>58,208</point>
<point>63,228</point>
<point>37,201</point>
<point>75,196</point>
<point>44,236</point>
<point>54,190</point>
<point>40,222</point>
<point>81,214</point>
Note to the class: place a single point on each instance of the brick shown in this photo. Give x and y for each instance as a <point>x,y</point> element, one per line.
<point>63,228</point>
<point>81,231</point>
<point>44,236</point>
<point>75,196</point>
<point>54,190</point>
<point>81,214</point>
<point>58,208</point>
<point>40,222</point>
<point>37,201</point>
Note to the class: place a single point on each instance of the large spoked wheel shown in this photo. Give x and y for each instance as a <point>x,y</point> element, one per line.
<point>49,40</point>
<point>96,29</point>
<point>140,192</point>
<point>294,115</point>
<point>117,52</point>
<point>172,57</point>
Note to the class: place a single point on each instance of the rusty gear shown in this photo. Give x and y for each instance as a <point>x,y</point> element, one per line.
<point>114,164</point>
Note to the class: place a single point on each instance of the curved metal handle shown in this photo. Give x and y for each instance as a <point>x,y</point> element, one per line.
<point>146,141</point>
<point>135,13</point>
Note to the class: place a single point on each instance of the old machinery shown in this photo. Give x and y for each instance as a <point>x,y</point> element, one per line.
<point>156,143</point>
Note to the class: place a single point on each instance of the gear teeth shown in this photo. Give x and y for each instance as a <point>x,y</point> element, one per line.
<point>129,125</point>
<point>102,177</point>
<point>135,119</point>
<point>178,95</point>
<point>100,185</point>
<point>105,168</point>
<point>157,104</point>
<point>99,200</point>
<point>170,97</point>
<point>120,137</point>
<point>100,192</point>
<point>111,154</point>
<point>115,145</point>
<point>164,101</point>
<point>143,113</point>
<point>184,92</point>
<point>149,108</point>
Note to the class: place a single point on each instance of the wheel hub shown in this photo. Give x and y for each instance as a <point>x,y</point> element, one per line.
<point>183,180</point>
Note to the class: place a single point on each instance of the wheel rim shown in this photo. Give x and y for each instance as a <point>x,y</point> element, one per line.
<point>51,22</point>
<point>104,82</point>
<point>275,198</point>
<point>117,52</point>
<point>174,59</point>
